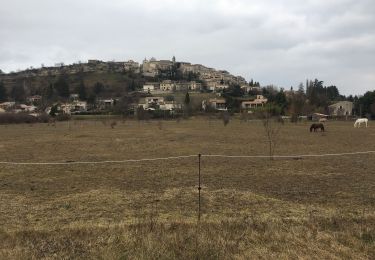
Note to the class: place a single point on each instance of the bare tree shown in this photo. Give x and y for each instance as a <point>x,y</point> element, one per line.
<point>226,118</point>
<point>270,116</point>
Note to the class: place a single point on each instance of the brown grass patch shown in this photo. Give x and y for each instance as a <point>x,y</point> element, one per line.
<point>319,208</point>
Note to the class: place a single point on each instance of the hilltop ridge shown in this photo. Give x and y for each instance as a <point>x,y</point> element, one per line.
<point>127,75</point>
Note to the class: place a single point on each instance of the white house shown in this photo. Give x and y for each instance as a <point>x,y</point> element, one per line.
<point>246,88</point>
<point>35,98</point>
<point>167,85</point>
<point>7,105</point>
<point>152,103</point>
<point>26,108</point>
<point>259,101</point>
<point>170,105</point>
<point>214,103</point>
<point>343,108</point>
<point>154,100</point>
<point>148,88</point>
<point>195,86</point>
<point>105,103</point>
<point>79,106</point>
<point>69,108</point>
<point>74,96</point>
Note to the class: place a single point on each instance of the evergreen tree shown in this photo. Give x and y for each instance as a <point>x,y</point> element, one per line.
<point>332,93</point>
<point>365,104</point>
<point>53,111</point>
<point>18,93</point>
<point>187,99</point>
<point>301,90</point>
<point>251,83</point>
<point>234,91</point>
<point>48,92</point>
<point>3,92</point>
<point>82,91</point>
<point>62,87</point>
<point>187,105</point>
<point>91,99</point>
<point>98,88</point>
<point>280,100</point>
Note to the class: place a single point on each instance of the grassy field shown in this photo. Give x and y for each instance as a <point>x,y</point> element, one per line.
<point>311,208</point>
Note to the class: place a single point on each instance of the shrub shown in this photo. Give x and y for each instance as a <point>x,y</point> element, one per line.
<point>63,117</point>
<point>21,118</point>
<point>113,124</point>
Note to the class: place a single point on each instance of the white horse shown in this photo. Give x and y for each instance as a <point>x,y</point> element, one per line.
<point>359,121</point>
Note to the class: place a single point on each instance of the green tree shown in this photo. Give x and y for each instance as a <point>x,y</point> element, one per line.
<point>187,104</point>
<point>297,103</point>
<point>18,92</point>
<point>62,87</point>
<point>82,91</point>
<point>170,98</point>
<point>91,99</point>
<point>332,93</point>
<point>3,92</point>
<point>48,92</point>
<point>364,104</point>
<point>234,91</point>
<point>98,88</point>
<point>187,99</point>
<point>281,101</point>
<point>53,111</point>
<point>251,83</point>
<point>301,90</point>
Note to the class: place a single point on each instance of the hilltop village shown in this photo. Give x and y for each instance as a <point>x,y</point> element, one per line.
<point>102,87</point>
<point>163,88</point>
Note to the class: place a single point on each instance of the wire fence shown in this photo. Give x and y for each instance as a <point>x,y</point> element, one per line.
<point>185,156</point>
<point>197,169</point>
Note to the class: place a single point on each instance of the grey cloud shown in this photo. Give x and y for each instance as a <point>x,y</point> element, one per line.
<point>278,42</point>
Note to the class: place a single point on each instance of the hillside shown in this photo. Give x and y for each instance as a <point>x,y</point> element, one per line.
<point>114,83</point>
<point>111,79</point>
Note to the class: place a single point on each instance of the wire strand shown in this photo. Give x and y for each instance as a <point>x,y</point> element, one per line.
<point>183,157</point>
<point>99,162</point>
<point>286,156</point>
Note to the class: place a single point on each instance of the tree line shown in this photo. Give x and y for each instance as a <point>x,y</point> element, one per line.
<point>306,99</point>
<point>314,96</point>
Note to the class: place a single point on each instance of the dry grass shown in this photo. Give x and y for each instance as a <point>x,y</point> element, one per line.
<point>316,208</point>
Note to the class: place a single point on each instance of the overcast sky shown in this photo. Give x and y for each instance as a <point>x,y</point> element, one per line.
<point>272,41</point>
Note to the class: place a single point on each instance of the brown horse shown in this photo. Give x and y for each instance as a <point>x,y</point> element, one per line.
<point>316,126</point>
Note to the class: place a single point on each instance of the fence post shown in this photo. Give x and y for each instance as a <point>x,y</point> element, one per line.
<point>199,209</point>
<point>199,187</point>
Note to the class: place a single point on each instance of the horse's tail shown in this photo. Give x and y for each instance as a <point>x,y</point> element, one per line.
<point>311,128</point>
<point>322,128</point>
